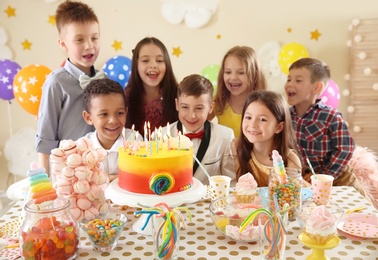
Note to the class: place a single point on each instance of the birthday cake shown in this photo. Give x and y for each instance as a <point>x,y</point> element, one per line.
<point>156,167</point>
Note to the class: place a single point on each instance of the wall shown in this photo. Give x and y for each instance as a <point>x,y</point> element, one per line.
<point>238,22</point>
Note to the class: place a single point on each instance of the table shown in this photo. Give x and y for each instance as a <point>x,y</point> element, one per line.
<point>202,241</point>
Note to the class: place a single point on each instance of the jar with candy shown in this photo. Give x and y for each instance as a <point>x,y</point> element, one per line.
<point>49,232</point>
<point>288,189</point>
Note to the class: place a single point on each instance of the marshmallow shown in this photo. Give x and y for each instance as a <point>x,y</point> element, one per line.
<point>83,144</point>
<point>83,173</point>
<point>68,173</point>
<point>83,203</point>
<point>74,160</point>
<point>81,186</point>
<point>90,158</point>
<point>91,213</point>
<point>68,146</point>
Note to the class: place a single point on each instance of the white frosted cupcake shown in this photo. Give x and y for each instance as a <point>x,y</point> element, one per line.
<point>320,226</point>
<point>246,189</point>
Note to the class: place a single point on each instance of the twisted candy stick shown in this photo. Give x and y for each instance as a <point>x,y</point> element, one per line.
<point>278,164</point>
<point>167,230</point>
<point>274,230</point>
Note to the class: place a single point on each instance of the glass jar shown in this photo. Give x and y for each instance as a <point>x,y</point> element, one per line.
<point>288,189</point>
<point>49,232</point>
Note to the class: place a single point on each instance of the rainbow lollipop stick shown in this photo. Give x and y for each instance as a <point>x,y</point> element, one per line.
<point>278,164</point>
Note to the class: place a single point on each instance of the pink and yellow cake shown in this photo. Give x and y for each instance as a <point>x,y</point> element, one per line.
<point>156,170</point>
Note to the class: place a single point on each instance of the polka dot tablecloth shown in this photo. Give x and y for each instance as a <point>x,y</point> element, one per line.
<point>202,241</point>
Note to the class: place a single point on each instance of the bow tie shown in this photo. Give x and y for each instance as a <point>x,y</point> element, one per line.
<point>195,135</point>
<point>84,79</point>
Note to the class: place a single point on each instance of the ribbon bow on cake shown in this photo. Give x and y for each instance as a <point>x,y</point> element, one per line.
<point>84,79</point>
<point>195,135</point>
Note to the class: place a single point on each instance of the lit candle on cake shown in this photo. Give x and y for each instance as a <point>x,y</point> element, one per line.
<point>131,138</point>
<point>135,146</point>
<point>168,129</point>
<point>168,143</point>
<point>178,145</point>
<point>123,139</point>
<point>145,136</point>
<point>151,138</point>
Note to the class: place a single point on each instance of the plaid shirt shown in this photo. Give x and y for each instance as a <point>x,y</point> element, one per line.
<point>323,138</point>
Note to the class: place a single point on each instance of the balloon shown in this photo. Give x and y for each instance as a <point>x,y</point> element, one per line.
<point>118,69</point>
<point>27,87</point>
<point>290,53</point>
<point>8,69</point>
<point>331,94</point>
<point>211,73</point>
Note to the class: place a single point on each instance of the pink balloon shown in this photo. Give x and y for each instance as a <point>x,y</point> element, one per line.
<point>331,94</point>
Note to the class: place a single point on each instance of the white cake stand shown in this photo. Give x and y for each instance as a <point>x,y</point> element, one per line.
<point>122,197</point>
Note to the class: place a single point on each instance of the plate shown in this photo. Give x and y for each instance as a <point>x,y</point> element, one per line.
<point>306,193</point>
<point>360,225</point>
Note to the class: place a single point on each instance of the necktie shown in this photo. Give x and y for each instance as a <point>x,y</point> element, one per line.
<point>195,135</point>
<point>84,79</point>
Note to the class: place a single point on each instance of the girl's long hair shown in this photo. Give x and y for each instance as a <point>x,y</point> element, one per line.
<point>256,78</point>
<point>282,142</point>
<point>135,89</point>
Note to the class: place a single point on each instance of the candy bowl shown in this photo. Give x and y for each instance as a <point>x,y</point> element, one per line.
<point>228,215</point>
<point>307,208</point>
<point>104,231</point>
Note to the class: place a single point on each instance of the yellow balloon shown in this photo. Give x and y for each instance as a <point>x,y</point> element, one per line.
<point>27,87</point>
<point>290,53</point>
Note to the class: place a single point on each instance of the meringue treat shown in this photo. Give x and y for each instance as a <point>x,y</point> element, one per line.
<point>219,186</point>
<point>321,188</point>
<point>246,189</point>
<point>320,226</point>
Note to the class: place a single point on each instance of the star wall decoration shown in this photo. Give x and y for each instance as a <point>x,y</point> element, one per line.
<point>117,45</point>
<point>26,45</point>
<point>289,30</point>
<point>315,35</point>
<point>52,20</point>
<point>177,51</point>
<point>10,11</point>
<point>219,36</point>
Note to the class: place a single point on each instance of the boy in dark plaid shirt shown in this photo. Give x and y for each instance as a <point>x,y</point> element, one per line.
<point>321,132</point>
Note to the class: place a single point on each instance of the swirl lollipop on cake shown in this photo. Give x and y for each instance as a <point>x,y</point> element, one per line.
<point>41,190</point>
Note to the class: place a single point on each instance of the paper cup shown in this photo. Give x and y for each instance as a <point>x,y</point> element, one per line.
<point>321,188</point>
<point>219,186</point>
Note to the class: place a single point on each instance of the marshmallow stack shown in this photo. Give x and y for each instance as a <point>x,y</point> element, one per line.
<point>77,175</point>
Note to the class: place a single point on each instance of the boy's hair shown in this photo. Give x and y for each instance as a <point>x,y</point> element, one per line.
<point>282,141</point>
<point>168,87</point>
<point>73,12</point>
<point>318,69</point>
<point>99,87</point>
<point>195,85</point>
<point>255,75</point>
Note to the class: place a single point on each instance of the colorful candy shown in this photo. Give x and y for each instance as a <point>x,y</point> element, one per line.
<point>41,189</point>
<point>50,239</point>
<point>286,186</point>
<point>104,233</point>
<point>161,182</point>
<point>168,230</point>
<point>278,164</point>
<point>274,231</point>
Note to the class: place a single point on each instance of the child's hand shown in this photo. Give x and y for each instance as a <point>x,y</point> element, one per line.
<point>307,178</point>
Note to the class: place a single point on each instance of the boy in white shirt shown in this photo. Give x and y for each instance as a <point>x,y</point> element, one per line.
<point>211,141</point>
<point>105,109</point>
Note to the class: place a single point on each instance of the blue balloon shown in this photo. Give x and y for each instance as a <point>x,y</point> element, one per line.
<point>8,70</point>
<point>118,68</point>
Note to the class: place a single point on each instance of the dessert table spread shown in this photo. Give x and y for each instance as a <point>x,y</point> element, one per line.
<point>201,240</point>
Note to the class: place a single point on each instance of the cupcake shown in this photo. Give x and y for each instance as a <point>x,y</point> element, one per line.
<point>246,189</point>
<point>320,226</point>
